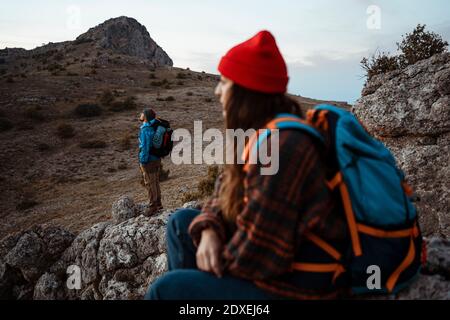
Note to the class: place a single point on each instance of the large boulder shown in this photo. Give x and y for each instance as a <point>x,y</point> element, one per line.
<point>409,111</point>
<point>25,256</point>
<point>117,260</point>
<point>123,210</point>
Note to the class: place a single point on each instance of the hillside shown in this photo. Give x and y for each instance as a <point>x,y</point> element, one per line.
<point>49,174</point>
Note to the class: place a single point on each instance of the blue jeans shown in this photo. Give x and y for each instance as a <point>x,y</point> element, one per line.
<point>185,281</point>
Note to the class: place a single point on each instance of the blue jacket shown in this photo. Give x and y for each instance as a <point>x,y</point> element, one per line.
<point>145,143</point>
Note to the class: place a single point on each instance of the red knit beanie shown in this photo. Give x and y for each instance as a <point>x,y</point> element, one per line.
<point>256,64</point>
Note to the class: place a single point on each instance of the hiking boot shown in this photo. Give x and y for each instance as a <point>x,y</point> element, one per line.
<point>154,209</point>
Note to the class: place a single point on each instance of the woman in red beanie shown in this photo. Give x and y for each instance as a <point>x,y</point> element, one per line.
<point>244,242</point>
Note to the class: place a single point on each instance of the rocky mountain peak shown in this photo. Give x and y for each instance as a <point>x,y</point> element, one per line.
<point>126,36</point>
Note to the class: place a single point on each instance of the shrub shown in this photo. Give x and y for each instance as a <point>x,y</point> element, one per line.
<point>160,83</point>
<point>59,56</point>
<point>128,104</point>
<point>415,46</point>
<point>379,63</point>
<point>181,75</point>
<point>152,76</point>
<point>117,106</point>
<point>180,83</point>
<point>34,113</point>
<point>125,142</point>
<point>54,67</point>
<point>83,40</point>
<point>189,94</point>
<point>43,147</point>
<point>205,187</point>
<point>65,131</point>
<point>190,196</point>
<point>420,45</point>
<point>24,126</point>
<point>208,100</point>
<point>122,166</point>
<point>107,98</point>
<point>88,110</point>
<point>156,83</point>
<point>170,98</point>
<point>5,124</point>
<point>93,144</point>
<point>26,204</point>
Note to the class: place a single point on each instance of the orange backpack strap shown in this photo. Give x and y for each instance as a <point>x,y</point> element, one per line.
<point>390,284</point>
<point>323,245</point>
<point>338,181</point>
<point>408,189</point>
<point>412,233</point>
<point>337,268</point>
<point>317,118</point>
<point>272,125</point>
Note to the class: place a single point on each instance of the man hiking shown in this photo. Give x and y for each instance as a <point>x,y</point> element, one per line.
<point>150,164</point>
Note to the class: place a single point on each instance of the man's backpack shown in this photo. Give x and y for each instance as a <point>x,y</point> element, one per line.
<point>162,143</point>
<point>385,237</point>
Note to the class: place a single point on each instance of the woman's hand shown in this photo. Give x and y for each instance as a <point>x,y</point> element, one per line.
<point>208,252</point>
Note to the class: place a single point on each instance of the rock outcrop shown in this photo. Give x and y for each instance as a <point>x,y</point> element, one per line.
<point>118,260</point>
<point>122,36</point>
<point>126,36</point>
<point>24,257</point>
<point>409,111</point>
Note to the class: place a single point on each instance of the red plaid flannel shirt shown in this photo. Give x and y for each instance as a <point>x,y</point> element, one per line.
<point>280,208</point>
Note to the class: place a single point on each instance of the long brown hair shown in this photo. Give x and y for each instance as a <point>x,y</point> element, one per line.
<point>247,109</point>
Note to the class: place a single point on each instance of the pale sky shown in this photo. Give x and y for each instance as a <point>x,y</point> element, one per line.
<point>321,40</point>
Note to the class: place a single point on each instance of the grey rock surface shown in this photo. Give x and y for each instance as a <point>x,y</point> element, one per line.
<point>409,111</point>
<point>117,260</point>
<point>123,210</point>
<point>24,257</point>
<point>127,36</point>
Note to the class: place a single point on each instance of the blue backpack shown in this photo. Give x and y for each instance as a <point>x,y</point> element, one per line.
<point>382,221</point>
<point>162,143</point>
